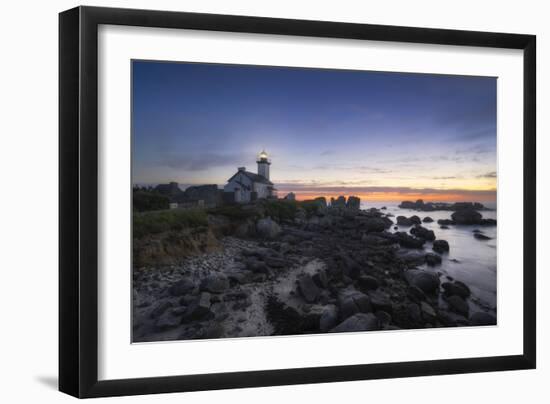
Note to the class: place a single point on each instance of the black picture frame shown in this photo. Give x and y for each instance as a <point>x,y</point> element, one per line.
<point>78,201</point>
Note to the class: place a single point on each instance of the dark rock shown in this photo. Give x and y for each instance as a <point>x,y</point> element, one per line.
<point>415,293</point>
<point>414,313</point>
<point>422,232</point>
<point>408,241</point>
<point>353,202</point>
<point>466,216</point>
<point>199,308</point>
<point>428,282</point>
<point>481,236</point>
<point>321,279</point>
<point>215,283</point>
<point>375,240</point>
<point>308,289</point>
<point>404,221</point>
<point>329,318</point>
<point>428,312</point>
<point>415,219</point>
<point>358,322</point>
<point>445,222</point>
<point>339,202</point>
<point>380,301</point>
<point>488,222</point>
<point>444,227</point>
<point>427,219</point>
<point>384,318</point>
<point>368,282</point>
<point>375,224</point>
<point>440,246</point>
<point>412,258</point>
<point>481,318</point>
<point>352,302</point>
<point>181,287</point>
<point>350,267</point>
<point>160,308</point>
<point>433,259</point>
<point>458,305</point>
<point>456,288</point>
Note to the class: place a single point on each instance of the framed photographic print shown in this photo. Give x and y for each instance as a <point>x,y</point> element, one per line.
<point>251,201</point>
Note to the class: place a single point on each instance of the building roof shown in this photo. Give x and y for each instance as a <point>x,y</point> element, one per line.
<point>253,177</point>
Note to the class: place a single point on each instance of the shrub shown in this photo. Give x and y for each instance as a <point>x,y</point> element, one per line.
<point>147,200</point>
<point>168,220</point>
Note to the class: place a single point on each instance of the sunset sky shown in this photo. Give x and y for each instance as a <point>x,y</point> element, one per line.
<point>380,136</point>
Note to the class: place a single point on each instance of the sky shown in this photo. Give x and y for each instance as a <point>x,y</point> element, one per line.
<point>378,135</point>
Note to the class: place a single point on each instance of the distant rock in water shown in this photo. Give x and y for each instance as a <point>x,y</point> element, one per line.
<point>481,236</point>
<point>431,206</point>
<point>466,216</point>
<point>422,232</point>
<point>427,219</point>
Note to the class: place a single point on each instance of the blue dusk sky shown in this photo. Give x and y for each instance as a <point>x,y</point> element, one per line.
<point>382,136</point>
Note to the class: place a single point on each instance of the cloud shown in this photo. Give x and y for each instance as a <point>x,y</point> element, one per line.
<point>200,162</point>
<point>327,153</point>
<point>491,174</point>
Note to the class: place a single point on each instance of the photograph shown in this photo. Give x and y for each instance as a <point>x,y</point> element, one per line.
<point>274,200</point>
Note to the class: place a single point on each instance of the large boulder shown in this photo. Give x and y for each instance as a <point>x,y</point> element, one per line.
<point>440,246</point>
<point>329,318</point>
<point>353,202</point>
<point>433,259</point>
<point>339,202</point>
<point>308,289</point>
<point>456,288</point>
<point>352,302</point>
<point>375,224</point>
<point>268,228</point>
<point>358,322</point>
<point>458,305</point>
<point>422,232</point>
<point>380,301</point>
<point>426,281</point>
<point>427,219</point>
<point>404,221</point>
<point>466,216</point>
<point>408,241</point>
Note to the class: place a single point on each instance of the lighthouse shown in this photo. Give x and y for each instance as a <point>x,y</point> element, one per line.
<point>263,164</point>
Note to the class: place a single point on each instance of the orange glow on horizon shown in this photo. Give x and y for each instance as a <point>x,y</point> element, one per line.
<point>399,197</point>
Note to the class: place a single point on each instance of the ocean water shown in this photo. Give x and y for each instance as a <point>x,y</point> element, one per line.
<point>469,260</point>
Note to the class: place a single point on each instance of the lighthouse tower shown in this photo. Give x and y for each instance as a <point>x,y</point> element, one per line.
<point>263,164</point>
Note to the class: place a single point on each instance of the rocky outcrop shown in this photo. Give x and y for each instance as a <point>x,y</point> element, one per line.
<point>353,203</point>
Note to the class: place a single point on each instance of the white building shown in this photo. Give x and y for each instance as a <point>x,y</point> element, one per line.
<point>247,186</point>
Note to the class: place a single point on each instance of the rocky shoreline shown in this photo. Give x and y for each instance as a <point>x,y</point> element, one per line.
<point>313,269</point>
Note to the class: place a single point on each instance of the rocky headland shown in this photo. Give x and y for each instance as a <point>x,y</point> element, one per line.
<point>286,267</point>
